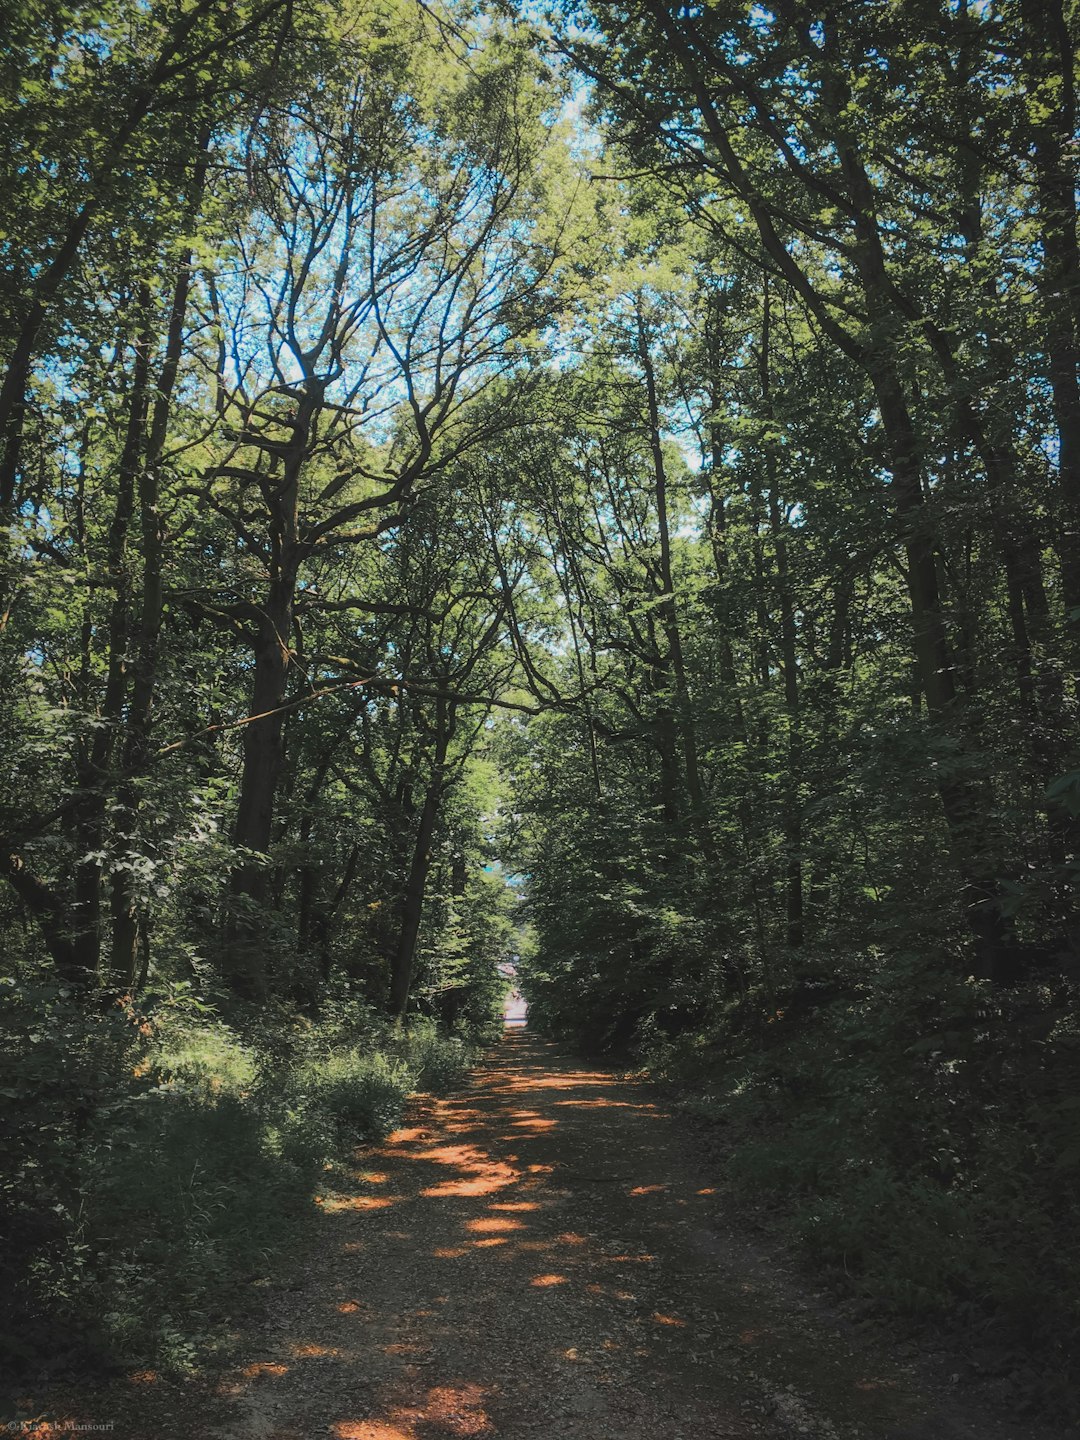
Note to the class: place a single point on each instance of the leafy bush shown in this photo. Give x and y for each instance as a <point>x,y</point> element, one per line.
<point>61,1069</point>
<point>911,1115</point>
<point>205,1057</point>
<point>153,1167</point>
<point>183,1201</point>
<point>438,1062</point>
<point>361,1095</point>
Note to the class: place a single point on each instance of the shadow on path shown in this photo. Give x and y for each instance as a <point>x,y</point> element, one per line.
<point>541,1257</point>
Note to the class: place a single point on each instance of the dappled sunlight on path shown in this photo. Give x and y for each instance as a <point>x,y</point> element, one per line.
<point>475,1291</point>
<point>538,1257</point>
<point>546,1256</point>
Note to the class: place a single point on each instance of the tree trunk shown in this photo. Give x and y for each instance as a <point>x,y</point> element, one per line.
<point>142,100</point>
<point>1049,60</point>
<point>52,276</point>
<point>963,804</point>
<point>54,920</point>
<point>90,831</point>
<point>669,616</point>
<point>966,804</point>
<point>963,801</point>
<point>792,804</point>
<point>127,951</point>
<point>263,743</point>
<point>262,764</point>
<point>401,971</point>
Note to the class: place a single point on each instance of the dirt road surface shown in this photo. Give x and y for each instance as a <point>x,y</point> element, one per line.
<point>543,1257</point>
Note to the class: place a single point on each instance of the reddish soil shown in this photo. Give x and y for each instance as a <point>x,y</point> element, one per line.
<point>545,1257</point>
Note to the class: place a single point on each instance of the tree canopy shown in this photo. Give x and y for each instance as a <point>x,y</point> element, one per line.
<point>594,487</point>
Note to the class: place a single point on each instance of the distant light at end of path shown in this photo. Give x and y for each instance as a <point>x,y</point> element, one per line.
<point>515,1012</point>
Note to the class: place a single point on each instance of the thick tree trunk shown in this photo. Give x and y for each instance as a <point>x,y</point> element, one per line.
<point>262,764</point>
<point>263,743</point>
<point>413,903</point>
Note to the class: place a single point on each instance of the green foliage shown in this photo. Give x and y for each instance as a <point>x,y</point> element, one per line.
<point>646,548</point>
<point>436,1062</point>
<point>58,1066</point>
<point>155,1169</point>
<point>912,1117</point>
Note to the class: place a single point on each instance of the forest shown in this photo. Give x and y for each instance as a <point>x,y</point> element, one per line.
<point>577,486</point>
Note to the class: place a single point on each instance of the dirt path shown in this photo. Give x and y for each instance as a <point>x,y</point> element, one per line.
<point>542,1258</point>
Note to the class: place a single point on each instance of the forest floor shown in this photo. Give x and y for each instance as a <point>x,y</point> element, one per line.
<point>545,1256</point>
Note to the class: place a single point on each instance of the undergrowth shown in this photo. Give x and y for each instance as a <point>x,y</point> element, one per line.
<point>918,1135</point>
<point>155,1161</point>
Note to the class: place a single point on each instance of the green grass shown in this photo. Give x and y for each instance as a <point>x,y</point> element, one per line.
<point>156,1172</point>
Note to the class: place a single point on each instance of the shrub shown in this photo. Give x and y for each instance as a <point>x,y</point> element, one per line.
<point>155,1168</point>
<point>361,1095</point>
<point>438,1062</point>
<point>911,1114</point>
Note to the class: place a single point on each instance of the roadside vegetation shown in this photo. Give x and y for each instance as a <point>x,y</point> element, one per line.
<point>916,1140</point>
<point>159,1162</point>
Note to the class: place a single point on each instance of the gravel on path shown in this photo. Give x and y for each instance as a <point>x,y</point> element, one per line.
<point>543,1256</point>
